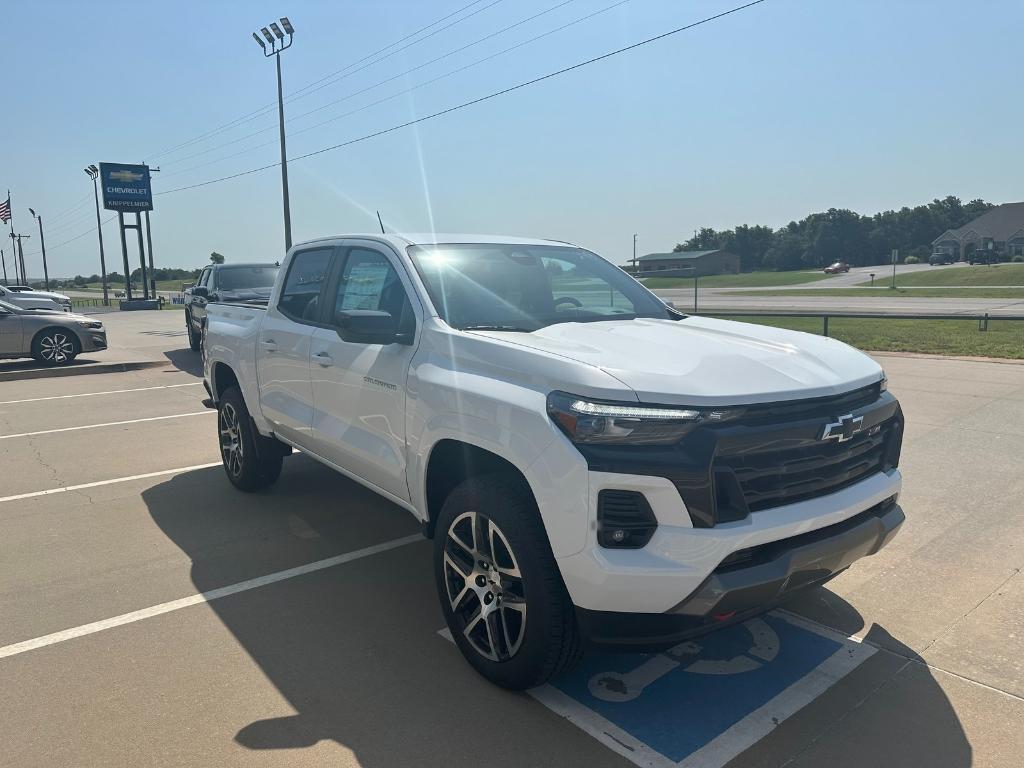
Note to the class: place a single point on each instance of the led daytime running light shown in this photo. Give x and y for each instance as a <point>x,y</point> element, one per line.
<point>630,412</point>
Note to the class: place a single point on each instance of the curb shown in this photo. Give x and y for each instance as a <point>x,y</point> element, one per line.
<point>80,370</point>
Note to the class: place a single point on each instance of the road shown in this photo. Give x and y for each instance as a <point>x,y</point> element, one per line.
<point>116,649</point>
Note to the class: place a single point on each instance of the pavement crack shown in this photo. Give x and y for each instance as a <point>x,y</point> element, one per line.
<point>959,621</point>
<point>831,725</point>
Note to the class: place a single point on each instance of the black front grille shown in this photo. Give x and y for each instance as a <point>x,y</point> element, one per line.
<point>785,475</point>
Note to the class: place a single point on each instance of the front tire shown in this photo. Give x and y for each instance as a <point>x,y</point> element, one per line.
<point>195,340</point>
<point>251,461</point>
<point>55,346</point>
<point>500,589</point>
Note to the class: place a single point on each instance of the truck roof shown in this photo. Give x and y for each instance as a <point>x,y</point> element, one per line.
<point>404,239</point>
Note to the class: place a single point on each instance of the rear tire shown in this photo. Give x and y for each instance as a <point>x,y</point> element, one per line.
<point>251,461</point>
<point>501,591</point>
<point>55,346</point>
<point>195,340</point>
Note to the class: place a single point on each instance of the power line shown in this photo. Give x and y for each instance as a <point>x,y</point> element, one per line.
<point>396,77</point>
<point>70,240</point>
<point>478,100</point>
<point>300,92</point>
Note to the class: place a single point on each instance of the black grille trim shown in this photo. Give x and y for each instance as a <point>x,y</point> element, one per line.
<point>627,512</point>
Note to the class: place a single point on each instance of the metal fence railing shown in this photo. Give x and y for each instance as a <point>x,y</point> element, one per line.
<point>982,319</point>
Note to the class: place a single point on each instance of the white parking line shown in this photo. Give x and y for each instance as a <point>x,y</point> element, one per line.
<point>204,597</point>
<point>107,424</point>
<point>94,394</point>
<point>98,483</point>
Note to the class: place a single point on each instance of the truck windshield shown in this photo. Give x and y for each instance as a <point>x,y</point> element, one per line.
<point>242,278</point>
<point>525,287</point>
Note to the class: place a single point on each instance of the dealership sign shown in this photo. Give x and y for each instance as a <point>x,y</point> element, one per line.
<point>126,188</point>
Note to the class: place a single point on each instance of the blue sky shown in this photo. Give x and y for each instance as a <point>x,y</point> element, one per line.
<point>788,107</point>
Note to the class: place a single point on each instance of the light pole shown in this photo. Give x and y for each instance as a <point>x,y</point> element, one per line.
<point>42,244</point>
<point>4,262</point>
<point>93,173</point>
<point>277,45</point>
<point>634,253</point>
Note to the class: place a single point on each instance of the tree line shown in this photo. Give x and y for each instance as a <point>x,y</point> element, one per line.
<point>839,234</point>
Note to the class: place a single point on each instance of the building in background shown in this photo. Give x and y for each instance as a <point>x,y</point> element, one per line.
<point>999,231</point>
<point>687,264</point>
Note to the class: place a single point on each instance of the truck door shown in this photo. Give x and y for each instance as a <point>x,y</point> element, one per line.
<point>282,345</point>
<point>359,389</point>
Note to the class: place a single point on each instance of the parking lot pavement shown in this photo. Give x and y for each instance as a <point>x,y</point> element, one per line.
<point>170,620</point>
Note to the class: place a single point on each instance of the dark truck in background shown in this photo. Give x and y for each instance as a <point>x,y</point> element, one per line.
<point>225,283</point>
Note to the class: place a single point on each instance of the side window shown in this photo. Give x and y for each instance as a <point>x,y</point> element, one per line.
<point>204,277</point>
<point>369,281</point>
<point>300,296</point>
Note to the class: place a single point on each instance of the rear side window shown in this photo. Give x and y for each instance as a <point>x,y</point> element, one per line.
<point>369,281</point>
<point>300,295</point>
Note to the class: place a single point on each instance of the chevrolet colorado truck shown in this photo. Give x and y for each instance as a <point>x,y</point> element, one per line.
<point>224,282</point>
<point>595,468</point>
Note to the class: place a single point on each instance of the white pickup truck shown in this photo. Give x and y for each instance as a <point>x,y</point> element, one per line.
<point>594,467</point>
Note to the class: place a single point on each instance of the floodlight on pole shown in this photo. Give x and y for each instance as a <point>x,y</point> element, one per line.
<point>42,245</point>
<point>93,172</point>
<point>259,40</point>
<point>275,50</point>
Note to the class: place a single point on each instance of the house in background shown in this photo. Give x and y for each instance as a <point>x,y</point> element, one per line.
<point>687,264</point>
<point>1003,227</point>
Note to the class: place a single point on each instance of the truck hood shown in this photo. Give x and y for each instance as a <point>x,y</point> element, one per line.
<point>44,295</point>
<point>703,361</point>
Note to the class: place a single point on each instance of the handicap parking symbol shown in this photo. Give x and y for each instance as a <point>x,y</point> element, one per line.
<point>703,702</point>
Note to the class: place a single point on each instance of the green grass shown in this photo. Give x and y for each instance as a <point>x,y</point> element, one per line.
<point>744,280</point>
<point>920,293</point>
<point>1004,338</point>
<point>997,274</point>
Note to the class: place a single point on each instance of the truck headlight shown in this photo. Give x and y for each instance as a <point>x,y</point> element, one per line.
<point>90,323</point>
<point>590,421</point>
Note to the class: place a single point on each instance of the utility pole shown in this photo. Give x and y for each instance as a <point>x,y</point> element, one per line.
<point>149,244</point>
<point>634,253</point>
<point>277,46</point>
<point>42,244</point>
<point>20,256</point>
<point>94,173</point>
<point>895,258</point>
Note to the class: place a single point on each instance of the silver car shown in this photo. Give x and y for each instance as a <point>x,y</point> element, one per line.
<point>28,297</point>
<point>50,336</point>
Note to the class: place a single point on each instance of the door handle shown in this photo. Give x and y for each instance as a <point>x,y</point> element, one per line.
<point>268,345</point>
<point>324,359</point>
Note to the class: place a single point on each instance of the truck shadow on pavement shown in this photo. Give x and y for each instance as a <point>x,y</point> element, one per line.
<point>186,360</point>
<point>355,649</point>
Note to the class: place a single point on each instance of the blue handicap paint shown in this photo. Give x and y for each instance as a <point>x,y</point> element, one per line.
<point>681,711</point>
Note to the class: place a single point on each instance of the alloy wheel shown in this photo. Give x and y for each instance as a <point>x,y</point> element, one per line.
<point>56,348</point>
<point>485,588</point>
<point>231,439</point>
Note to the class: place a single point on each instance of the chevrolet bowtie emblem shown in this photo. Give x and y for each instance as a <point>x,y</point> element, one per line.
<point>125,176</point>
<point>843,429</point>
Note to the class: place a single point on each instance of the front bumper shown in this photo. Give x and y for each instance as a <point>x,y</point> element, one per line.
<point>749,582</point>
<point>93,339</point>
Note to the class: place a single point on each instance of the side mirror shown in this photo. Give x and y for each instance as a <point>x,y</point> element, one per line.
<point>201,291</point>
<point>367,326</point>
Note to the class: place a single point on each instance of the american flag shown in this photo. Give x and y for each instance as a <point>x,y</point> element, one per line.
<point>5,210</point>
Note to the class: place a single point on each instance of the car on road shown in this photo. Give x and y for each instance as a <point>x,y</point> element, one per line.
<point>837,267</point>
<point>227,283</point>
<point>595,468</point>
<point>29,298</point>
<point>51,336</point>
<point>939,259</point>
